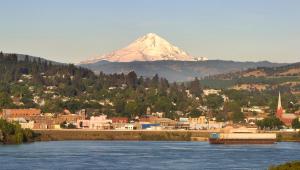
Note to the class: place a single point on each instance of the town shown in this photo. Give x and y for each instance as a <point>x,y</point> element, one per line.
<point>33,118</point>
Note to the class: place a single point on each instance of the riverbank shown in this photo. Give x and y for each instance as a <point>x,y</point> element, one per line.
<point>169,135</point>
<point>57,135</point>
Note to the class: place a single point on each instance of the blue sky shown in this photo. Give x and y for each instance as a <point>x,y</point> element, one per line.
<point>74,30</point>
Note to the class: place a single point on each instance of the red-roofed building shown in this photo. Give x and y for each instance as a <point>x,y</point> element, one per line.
<point>286,118</point>
<point>119,120</point>
<point>18,113</point>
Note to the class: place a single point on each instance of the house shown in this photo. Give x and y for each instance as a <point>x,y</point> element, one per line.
<point>207,92</point>
<point>256,109</point>
<point>158,114</point>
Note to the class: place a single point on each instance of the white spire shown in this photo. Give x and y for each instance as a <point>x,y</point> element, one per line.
<point>279,102</point>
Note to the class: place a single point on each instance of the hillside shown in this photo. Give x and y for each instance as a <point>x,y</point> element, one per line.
<point>53,88</point>
<point>262,78</point>
<point>176,70</point>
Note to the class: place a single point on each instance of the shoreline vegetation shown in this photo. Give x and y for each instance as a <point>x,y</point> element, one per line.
<point>166,135</point>
<point>12,133</point>
<point>293,165</point>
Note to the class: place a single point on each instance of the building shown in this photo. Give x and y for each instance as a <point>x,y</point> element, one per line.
<point>119,122</point>
<point>183,123</point>
<point>20,113</point>
<point>166,123</point>
<point>148,119</point>
<point>198,120</point>
<point>286,118</point>
<point>197,123</point>
<point>202,122</point>
<point>158,114</point>
<point>23,122</point>
<point>119,119</point>
<point>96,122</point>
<point>256,109</point>
<point>207,92</point>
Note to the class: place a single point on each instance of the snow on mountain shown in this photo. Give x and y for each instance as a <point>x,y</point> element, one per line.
<point>150,47</point>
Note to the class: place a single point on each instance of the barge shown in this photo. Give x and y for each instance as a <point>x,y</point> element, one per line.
<point>242,136</point>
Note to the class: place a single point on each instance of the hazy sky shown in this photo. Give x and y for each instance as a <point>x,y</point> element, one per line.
<point>74,30</point>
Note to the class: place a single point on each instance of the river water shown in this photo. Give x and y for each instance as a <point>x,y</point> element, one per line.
<point>144,155</point>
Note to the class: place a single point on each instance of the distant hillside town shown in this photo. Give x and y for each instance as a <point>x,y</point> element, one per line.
<point>40,94</point>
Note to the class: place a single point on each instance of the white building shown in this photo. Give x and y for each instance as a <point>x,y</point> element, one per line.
<point>96,122</point>
<point>207,92</point>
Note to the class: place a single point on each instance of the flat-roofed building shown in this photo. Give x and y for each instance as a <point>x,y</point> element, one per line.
<point>17,113</point>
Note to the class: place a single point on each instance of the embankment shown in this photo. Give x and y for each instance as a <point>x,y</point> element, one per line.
<point>288,136</point>
<point>174,135</point>
<point>54,135</point>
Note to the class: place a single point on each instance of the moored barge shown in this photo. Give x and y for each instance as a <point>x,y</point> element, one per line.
<point>242,136</point>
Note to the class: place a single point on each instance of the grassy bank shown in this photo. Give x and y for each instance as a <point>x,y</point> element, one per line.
<point>48,135</point>
<point>288,137</point>
<point>294,165</point>
<point>53,135</point>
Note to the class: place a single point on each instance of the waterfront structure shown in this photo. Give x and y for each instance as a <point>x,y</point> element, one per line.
<point>286,118</point>
<point>129,126</point>
<point>149,126</point>
<point>183,123</point>
<point>242,136</point>
<point>202,122</point>
<point>167,123</point>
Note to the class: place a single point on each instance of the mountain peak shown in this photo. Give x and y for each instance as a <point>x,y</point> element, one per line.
<point>150,47</point>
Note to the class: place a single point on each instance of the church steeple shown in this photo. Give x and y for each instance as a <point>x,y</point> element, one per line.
<point>279,107</point>
<point>279,102</point>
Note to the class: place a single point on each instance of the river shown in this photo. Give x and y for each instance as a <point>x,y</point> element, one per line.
<point>144,155</point>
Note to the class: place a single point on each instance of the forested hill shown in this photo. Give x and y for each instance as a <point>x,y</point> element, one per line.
<point>178,71</point>
<point>22,57</point>
<point>41,84</point>
<point>286,70</point>
<point>287,76</point>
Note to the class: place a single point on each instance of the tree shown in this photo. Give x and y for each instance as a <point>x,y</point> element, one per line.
<point>132,79</point>
<point>270,123</point>
<point>5,100</point>
<point>195,113</point>
<point>296,123</point>
<point>214,101</point>
<point>237,116</point>
<point>131,108</point>
<point>195,87</point>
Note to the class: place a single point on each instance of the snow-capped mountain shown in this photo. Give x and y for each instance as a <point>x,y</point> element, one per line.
<point>150,47</point>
